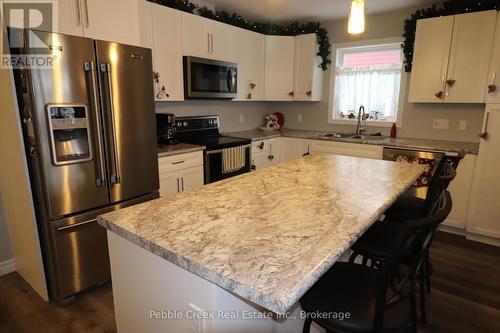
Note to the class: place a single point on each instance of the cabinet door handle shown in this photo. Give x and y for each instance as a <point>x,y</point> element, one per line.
<point>87,24</point>
<point>178,162</point>
<point>492,88</point>
<point>182,183</point>
<point>484,134</point>
<point>212,43</point>
<point>78,14</point>
<point>178,186</point>
<point>208,42</point>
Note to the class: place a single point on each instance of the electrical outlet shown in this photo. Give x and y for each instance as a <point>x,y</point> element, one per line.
<point>462,125</point>
<point>299,117</point>
<point>441,124</point>
<point>242,119</point>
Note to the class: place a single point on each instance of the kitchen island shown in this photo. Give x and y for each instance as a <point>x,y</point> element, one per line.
<point>237,255</point>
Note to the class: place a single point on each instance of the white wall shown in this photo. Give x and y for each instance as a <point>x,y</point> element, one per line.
<point>5,252</point>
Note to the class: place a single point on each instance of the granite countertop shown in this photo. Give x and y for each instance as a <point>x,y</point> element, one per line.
<point>271,248</point>
<point>180,148</point>
<point>450,146</point>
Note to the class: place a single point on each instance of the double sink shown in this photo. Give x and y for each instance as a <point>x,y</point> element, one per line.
<point>353,136</point>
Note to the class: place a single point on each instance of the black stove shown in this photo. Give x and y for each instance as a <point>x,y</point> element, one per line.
<point>219,157</point>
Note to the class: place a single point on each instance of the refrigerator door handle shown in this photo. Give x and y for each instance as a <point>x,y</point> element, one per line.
<point>115,179</point>
<point>101,176</point>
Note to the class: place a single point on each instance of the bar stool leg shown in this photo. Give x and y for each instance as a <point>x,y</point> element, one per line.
<point>423,309</point>
<point>307,325</point>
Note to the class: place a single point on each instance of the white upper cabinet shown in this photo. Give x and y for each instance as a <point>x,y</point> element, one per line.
<point>430,59</point>
<point>279,68</point>
<point>451,57</point>
<point>110,20</point>
<point>307,73</point>
<point>484,210</point>
<point>493,83</point>
<point>469,57</point>
<point>205,38</point>
<point>70,19</point>
<point>167,56</point>
<point>248,50</point>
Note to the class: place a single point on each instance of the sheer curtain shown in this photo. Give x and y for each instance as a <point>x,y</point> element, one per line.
<point>375,87</point>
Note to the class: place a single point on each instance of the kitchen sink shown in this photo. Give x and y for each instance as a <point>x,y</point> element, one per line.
<point>338,135</point>
<point>375,136</point>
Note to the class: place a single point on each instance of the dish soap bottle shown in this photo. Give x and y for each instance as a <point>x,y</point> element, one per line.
<point>393,130</point>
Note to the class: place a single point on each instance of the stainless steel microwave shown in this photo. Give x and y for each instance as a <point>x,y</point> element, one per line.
<point>206,78</point>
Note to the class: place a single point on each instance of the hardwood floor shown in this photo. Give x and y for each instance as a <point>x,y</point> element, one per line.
<point>465,296</point>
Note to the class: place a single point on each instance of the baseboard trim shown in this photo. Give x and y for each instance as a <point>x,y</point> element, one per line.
<point>483,239</point>
<point>7,266</point>
<point>452,230</point>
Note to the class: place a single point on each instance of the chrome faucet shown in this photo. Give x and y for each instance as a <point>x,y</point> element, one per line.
<point>361,127</point>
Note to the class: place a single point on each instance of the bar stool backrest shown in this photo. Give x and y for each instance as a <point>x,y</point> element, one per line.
<point>412,233</point>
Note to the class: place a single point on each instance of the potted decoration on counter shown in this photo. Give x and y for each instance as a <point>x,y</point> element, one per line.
<point>274,121</point>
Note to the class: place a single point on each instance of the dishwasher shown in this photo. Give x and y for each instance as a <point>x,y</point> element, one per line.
<point>430,159</point>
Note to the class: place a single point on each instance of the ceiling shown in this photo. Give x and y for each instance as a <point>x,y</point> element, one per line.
<point>318,10</point>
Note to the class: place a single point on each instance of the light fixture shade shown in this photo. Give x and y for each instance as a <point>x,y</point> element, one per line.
<point>356,23</point>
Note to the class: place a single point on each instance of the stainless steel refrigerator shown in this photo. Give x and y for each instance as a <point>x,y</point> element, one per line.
<point>90,136</point>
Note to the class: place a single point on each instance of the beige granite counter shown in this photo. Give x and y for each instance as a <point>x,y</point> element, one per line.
<point>269,248</point>
<point>180,148</point>
<point>449,146</point>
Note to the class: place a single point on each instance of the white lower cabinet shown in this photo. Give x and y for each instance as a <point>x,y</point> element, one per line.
<point>180,173</point>
<point>484,209</point>
<point>294,148</point>
<point>266,153</point>
<point>349,149</point>
<point>460,193</point>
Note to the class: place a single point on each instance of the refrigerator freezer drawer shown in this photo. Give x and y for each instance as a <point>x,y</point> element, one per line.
<point>81,256</point>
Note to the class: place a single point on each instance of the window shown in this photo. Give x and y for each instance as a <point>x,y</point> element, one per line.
<point>371,76</point>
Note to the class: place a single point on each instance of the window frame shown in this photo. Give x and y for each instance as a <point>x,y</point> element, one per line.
<point>331,95</point>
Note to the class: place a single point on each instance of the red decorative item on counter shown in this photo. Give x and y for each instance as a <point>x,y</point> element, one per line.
<point>393,130</point>
<point>280,119</point>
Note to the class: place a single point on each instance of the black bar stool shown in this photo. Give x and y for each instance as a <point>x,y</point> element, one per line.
<point>379,298</point>
<point>375,243</point>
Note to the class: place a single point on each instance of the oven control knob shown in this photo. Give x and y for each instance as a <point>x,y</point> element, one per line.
<point>185,123</point>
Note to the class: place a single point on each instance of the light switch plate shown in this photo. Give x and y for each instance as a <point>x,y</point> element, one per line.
<point>462,125</point>
<point>299,117</point>
<point>242,119</point>
<point>441,124</point>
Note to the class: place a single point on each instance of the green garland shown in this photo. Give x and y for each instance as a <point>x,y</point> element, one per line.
<point>234,19</point>
<point>453,7</point>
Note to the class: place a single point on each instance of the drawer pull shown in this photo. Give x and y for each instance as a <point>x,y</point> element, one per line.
<point>71,226</point>
<point>178,162</point>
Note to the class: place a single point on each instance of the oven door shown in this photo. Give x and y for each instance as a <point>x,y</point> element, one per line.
<point>206,78</point>
<point>217,163</point>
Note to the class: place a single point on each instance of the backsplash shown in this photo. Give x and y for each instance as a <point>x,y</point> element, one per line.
<point>234,116</point>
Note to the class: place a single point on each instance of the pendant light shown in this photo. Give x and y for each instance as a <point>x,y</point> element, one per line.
<point>356,23</point>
